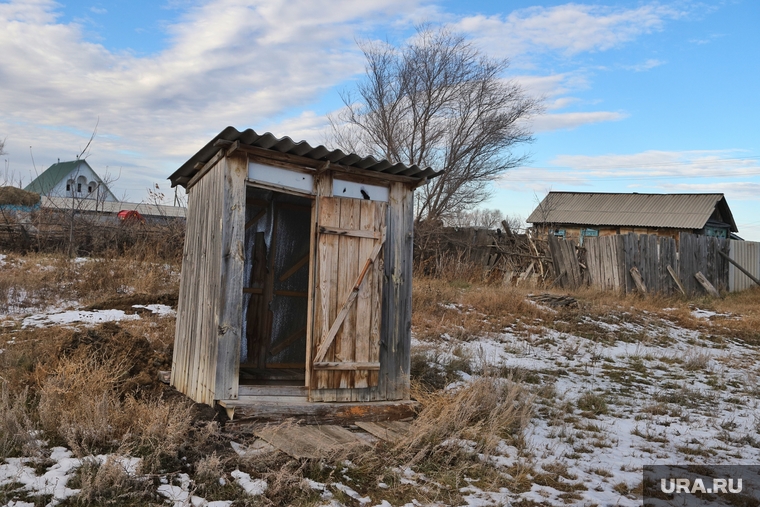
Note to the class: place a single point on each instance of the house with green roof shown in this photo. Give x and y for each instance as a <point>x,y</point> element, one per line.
<point>71,179</point>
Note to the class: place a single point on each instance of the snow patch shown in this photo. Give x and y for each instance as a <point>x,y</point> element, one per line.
<point>252,487</point>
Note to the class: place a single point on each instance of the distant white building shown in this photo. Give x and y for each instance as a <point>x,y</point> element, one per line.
<point>71,179</point>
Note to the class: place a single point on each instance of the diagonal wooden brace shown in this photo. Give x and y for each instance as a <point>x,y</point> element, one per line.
<point>328,339</point>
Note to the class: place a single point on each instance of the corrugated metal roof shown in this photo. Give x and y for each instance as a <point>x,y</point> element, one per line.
<point>302,149</point>
<point>678,211</point>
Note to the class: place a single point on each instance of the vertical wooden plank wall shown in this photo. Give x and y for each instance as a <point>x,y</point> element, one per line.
<point>195,346</point>
<point>747,255</point>
<point>700,254</point>
<point>652,254</point>
<point>364,308</point>
<point>322,188</point>
<point>339,260</point>
<point>229,322</point>
<point>605,256</point>
<point>395,355</point>
<point>348,260</point>
<point>565,259</point>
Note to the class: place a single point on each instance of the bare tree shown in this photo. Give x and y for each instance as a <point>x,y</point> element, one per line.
<point>439,102</point>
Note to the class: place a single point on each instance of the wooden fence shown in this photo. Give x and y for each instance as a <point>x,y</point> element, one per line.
<point>654,264</point>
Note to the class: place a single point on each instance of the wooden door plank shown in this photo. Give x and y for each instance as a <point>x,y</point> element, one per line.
<point>381,211</point>
<point>348,261</point>
<point>355,233</point>
<point>364,297</point>
<point>344,311</point>
<point>329,214</point>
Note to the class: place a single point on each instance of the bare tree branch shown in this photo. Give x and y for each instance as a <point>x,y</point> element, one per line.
<point>437,102</point>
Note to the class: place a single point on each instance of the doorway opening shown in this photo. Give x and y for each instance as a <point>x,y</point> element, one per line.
<point>275,293</point>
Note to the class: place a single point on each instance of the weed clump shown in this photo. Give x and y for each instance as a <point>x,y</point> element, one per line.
<point>485,411</point>
<point>592,403</point>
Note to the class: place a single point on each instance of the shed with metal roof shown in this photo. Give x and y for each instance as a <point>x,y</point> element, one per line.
<point>295,297</point>
<point>579,214</point>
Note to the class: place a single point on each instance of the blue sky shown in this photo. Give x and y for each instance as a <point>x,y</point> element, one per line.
<point>641,96</point>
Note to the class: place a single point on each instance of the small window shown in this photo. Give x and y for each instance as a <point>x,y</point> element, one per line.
<point>79,187</point>
<point>559,233</point>
<point>716,232</point>
<point>89,189</point>
<point>590,233</point>
<point>68,187</point>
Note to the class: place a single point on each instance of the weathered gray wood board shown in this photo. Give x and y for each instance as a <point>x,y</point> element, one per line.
<point>610,260</point>
<point>390,431</point>
<point>270,408</point>
<point>565,259</point>
<point>700,254</point>
<point>206,352</point>
<point>309,441</point>
<point>396,322</point>
<point>605,263</point>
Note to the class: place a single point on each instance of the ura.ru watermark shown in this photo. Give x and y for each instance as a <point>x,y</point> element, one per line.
<point>717,486</point>
<point>701,485</point>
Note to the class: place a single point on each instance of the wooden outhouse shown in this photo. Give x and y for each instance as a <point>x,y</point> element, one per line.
<point>295,297</point>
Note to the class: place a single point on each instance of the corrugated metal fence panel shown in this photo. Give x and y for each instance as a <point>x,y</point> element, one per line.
<point>747,255</point>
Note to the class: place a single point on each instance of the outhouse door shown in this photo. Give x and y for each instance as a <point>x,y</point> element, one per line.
<point>345,352</point>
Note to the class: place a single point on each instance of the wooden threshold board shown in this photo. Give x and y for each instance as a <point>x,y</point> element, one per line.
<point>273,390</point>
<point>279,408</point>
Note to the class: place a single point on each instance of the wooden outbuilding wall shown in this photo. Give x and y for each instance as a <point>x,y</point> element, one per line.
<point>208,330</point>
<point>367,356</point>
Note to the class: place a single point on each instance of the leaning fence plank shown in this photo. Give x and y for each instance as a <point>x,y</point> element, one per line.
<point>706,284</point>
<point>740,267</point>
<point>638,280</point>
<point>675,279</point>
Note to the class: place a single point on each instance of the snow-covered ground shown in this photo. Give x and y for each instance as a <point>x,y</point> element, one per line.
<point>673,396</point>
<point>634,392</point>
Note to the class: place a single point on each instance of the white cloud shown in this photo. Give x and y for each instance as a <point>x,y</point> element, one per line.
<point>649,64</point>
<point>569,29</point>
<point>229,62</point>
<point>658,164</point>
<point>727,171</point>
<point>557,121</point>
<point>734,190</point>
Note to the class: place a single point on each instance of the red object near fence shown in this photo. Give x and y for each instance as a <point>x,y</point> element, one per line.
<point>130,216</point>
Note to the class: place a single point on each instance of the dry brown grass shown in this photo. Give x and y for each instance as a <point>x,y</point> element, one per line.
<point>486,411</point>
<point>109,483</point>
<point>16,426</point>
<point>35,281</point>
<point>465,311</point>
<point>79,403</point>
<point>82,403</point>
